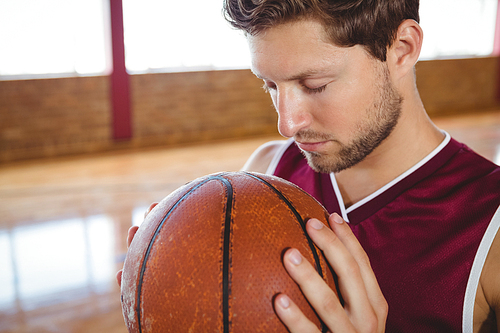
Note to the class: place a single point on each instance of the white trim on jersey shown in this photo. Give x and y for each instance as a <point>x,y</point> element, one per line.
<point>346,211</point>
<point>277,157</point>
<point>340,200</point>
<point>402,176</point>
<point>475,273</point>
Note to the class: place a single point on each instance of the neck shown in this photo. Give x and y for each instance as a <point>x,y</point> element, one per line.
<point>412,139</point>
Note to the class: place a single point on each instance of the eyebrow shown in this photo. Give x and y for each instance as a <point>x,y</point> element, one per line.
<point>304,75</point>
<point>301,76</point>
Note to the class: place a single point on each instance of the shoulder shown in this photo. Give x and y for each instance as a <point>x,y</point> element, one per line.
<point>488,293</point>
<point>262,157</point>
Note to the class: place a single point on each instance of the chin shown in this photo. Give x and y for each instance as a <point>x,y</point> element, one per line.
<point>324,163</point>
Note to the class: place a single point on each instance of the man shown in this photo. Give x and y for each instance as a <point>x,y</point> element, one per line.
<point>341,76</point>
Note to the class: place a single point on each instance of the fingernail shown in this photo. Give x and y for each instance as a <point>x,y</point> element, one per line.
<point>295,257</point>
<point>316,224</point>
<point>337,219</point>
<point>284,301</point>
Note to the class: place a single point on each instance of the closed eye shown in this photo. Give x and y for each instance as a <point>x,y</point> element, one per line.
<point>315,90</point>
<point>268,86</point>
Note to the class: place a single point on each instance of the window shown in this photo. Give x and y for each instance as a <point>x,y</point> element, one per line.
<point>52,37</point>
<point>457,28</point>
<point>180,35</point>
<point>69,37</point>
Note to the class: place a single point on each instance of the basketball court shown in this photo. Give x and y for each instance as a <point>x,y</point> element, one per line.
<point>65,220</point>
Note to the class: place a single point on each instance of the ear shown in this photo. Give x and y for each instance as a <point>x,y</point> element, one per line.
<point>404,52</point>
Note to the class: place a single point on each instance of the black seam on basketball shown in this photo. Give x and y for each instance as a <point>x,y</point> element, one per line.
<point>226,255</point>
<point>146,256</point>
<point>299,218</point>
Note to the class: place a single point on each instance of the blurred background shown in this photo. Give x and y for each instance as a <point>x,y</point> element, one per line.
<point>109,105</point>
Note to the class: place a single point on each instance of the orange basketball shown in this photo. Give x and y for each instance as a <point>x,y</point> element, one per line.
<point>208,258</point>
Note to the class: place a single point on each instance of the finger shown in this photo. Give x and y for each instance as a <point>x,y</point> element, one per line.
<point>130,236</point>
<point>345,234</point>
<point>153,205</point>
<point>352,287</point>
<point>119,277</point>
<point>290,314</point>
<point>131,233</point>
<point>318,293</point>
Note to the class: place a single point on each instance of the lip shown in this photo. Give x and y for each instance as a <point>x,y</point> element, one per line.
<point>311,146</point>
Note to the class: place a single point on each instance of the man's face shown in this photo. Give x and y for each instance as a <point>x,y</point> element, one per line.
<point>337,103</point>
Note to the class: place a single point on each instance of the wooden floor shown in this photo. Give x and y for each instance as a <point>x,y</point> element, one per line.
<point>63,223</point>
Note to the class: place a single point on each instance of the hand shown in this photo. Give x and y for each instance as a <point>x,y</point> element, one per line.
<point>365,308</point>
<point>130,236</point>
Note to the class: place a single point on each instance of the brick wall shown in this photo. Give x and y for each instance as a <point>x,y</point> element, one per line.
<point>53,117</point>
<point>459,85</point>
<point>50,117</point>
<point>199,106</point>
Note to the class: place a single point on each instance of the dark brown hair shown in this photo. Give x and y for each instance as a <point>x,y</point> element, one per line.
<point>370,23</point>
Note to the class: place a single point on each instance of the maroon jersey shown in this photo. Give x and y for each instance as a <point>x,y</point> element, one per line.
<point>423,232</point>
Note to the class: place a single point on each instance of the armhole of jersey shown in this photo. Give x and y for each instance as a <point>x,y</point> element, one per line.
<point>277,157</point>
<point>475,274</point>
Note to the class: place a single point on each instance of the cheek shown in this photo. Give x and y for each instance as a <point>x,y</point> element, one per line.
<point>344,109</point>
<point>359,93</point>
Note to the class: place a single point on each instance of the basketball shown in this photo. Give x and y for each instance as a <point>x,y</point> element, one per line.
<point>208,257</point>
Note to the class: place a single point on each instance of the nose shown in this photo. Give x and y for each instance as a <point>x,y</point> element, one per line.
<point>293,114</point>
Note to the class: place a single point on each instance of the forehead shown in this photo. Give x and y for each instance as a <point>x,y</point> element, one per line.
<point>296,47</point>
